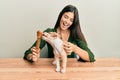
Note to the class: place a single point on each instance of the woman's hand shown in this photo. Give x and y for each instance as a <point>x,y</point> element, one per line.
<point>34,55</point>
<point>69,47</point>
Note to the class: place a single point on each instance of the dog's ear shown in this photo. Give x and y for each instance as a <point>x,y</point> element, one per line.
<point>53,34</point>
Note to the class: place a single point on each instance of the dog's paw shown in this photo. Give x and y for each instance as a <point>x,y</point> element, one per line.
<point>58,69</point>
<point>63,70</point>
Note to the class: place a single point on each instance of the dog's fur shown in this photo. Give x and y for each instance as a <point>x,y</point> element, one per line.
<point>59,52</point>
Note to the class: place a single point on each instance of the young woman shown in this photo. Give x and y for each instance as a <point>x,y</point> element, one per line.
<point>68,28</point>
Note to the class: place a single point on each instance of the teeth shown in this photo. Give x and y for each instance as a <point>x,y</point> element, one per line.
<point>64,24</point>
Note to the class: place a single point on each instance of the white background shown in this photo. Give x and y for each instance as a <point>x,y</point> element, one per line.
<point>20,19</point>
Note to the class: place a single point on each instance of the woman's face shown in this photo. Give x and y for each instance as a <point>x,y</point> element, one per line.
<point>66,20</point>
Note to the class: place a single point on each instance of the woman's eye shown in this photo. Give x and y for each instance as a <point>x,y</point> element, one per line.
<point>65,16</point>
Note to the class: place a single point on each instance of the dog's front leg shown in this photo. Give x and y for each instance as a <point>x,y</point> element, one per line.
<point>57,60</point>
<point>64,61</point>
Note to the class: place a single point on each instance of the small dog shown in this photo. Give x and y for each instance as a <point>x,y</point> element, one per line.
<point>59,52</point>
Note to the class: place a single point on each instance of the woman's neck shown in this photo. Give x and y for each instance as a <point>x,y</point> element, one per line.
<point>59,30</point>
<point>64,34</point>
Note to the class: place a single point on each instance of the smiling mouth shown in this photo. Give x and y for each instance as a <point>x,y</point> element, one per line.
<point>65,24</point>
<point>44,35</point>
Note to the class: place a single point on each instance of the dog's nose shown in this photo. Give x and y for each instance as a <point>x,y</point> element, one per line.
<point>45,34</point>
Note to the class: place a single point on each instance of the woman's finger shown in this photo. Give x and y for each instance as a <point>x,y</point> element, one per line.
<point>33,53</point>
<point>34,58</point>
<point>33,49</point>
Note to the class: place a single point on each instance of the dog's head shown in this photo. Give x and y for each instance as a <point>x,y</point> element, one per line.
<point>53,39</point>
<point>50,36</point>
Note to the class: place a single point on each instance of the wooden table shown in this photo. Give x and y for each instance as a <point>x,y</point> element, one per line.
<point>20,69</point>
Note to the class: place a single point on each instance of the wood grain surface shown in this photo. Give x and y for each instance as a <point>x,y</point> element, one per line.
<point>20,69</point>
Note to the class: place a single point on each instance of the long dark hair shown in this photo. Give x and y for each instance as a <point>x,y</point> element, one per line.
<point>75,29</point>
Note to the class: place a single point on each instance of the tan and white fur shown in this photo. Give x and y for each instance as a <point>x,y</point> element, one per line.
<point>59,52</point>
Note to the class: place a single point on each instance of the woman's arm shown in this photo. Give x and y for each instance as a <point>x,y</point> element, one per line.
<point>33,53</point>
<point>28,53</point>
<point>81,53</point>
<point>80,49</point>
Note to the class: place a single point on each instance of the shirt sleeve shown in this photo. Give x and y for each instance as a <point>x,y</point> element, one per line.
<point>84,46</point>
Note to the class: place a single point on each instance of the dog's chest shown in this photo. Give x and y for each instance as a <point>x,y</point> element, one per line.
<point>58,44</point>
